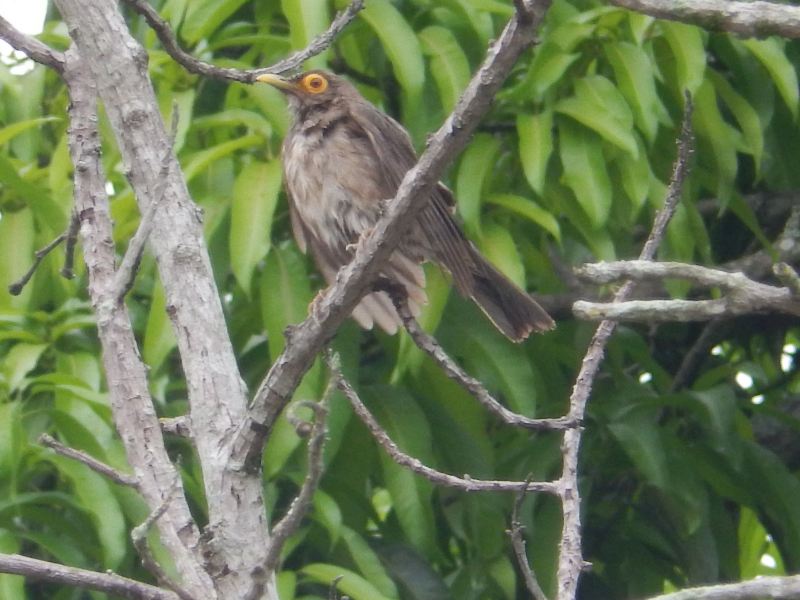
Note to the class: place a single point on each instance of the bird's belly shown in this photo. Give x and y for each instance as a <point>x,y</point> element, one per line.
<point>336,204</point>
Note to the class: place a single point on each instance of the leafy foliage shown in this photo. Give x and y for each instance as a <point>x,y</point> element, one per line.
<point>684,480</point>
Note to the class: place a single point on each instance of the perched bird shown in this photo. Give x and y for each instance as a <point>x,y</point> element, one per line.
<point>342,159</point>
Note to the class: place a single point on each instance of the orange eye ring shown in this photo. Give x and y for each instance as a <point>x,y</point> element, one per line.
<point>314,83</point>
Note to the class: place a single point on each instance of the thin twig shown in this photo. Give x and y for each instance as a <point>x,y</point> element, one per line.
<point>428,344</point>
<point>199,67</point>
<point>139,538</point>
<point>465,483</point>
<point>129,265</point>
<point>31,47</point>
<point>571,563</point>
<point>15,289</point>
<point>516,533</point>
<point>777,588</point>
<point>301,503</point>
<point>91,462</point>
<point>110,583</point>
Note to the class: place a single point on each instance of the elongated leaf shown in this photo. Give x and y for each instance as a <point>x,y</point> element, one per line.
<point>585,171</point>
<point>686,44</point>
<point>634,74</point>
<point>716,140</point>
<point>10,131</point>
<point>349,582</point>
<point>159,340</point>
<point>235,117</point>
<point>449,65</point>
<point>255,195</point>
<point>599,106</point>
<point>474,170</point>
<point>19,361</point>
<point>400,43</point>
<point>203,17</point>
<point>307,19</point>
<point>411,495</point>
<point>530,210</point>
<point>368,562</point>
<point>771,54</point>
<point>16,251</point>
<point>499,247</point>
<point>200,161</point>
<point>745,115</point>
<point>535,147</point>
<point>636,429</point>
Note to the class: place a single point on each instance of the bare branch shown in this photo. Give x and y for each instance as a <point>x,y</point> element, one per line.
<point>300,505</point>
<point>194,65</point>
<point>139,538</point>
<point>777,588</point>
<point>31,47</point>
<point>465,483</point>
<point>744,296</point>
<point>570,561</point>
<point>15,289</point>
<point>180,426</point>
<point>91,462</point>
<point>754,19</point>
<point>309,337</point>
<point>41,570</point>
<point>428,344</point>
<point>129,265</point>
<point>516,533</point>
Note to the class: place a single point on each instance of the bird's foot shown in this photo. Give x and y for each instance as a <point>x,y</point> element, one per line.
<point>315,307</point>
<point>362,238</point>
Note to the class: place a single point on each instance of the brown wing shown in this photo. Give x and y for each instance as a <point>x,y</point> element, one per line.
<point>445,241</point>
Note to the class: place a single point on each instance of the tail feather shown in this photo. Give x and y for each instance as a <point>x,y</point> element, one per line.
<point>511,310</point>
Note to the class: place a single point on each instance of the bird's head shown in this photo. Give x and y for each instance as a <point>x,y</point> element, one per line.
<point>308,90</point>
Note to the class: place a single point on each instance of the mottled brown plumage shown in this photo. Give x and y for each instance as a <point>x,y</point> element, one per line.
<point>342,159</point>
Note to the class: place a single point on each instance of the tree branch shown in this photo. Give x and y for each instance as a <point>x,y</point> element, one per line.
<point>466,483</point>
<point>570,562</point>
<point>131,404</point>
<point>308,338</point>
<point>90,461</point>
<point>777,588</point>
<point>744,296</point>
<point>300,505</point>
<point>199,67</point>
<point>516,533</point>
<point>41,570</point>
<point>31,47</point>
<point>428,344</point>
<point>754,19</point>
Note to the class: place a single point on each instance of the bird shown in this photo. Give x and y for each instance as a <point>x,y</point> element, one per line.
<point>343,159</point>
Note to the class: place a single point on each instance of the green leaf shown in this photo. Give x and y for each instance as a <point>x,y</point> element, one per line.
<point>16,251</point>
<point>96,496</point>
<point>549,65</point>
<point>19,361</point>
<point>501,250</point>
<point>368,562</point>
<point>159,339</point>
<point>746,116</point>
<point>9,132</point>
<point>634,73</point>
<point>717,141</point>
<point>12,587</point>
<point>530,210</point>
<point>411,495</point>
<point>307,19</point>
<point>449,65</point>
<point>535,147</point>
<point>349,582</point>
<point>599,106</point>
<point>636,428</point>
<point>636,175</point>
<point>255,195</point>
<point>476,166</point>
<point>686,44</point>
<point>400,43</point>
<point>203,17</point>
<point>199,161</point>
<point>585,171</point>
<point>771,53</point>
<point>235,117</point>
<point>327,512</point>
<point>285,294</point>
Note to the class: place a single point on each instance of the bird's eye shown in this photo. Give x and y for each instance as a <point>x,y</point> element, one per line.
<point>315,83</point>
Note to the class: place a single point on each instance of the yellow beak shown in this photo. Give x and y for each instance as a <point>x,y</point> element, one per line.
<point>276,81</point>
